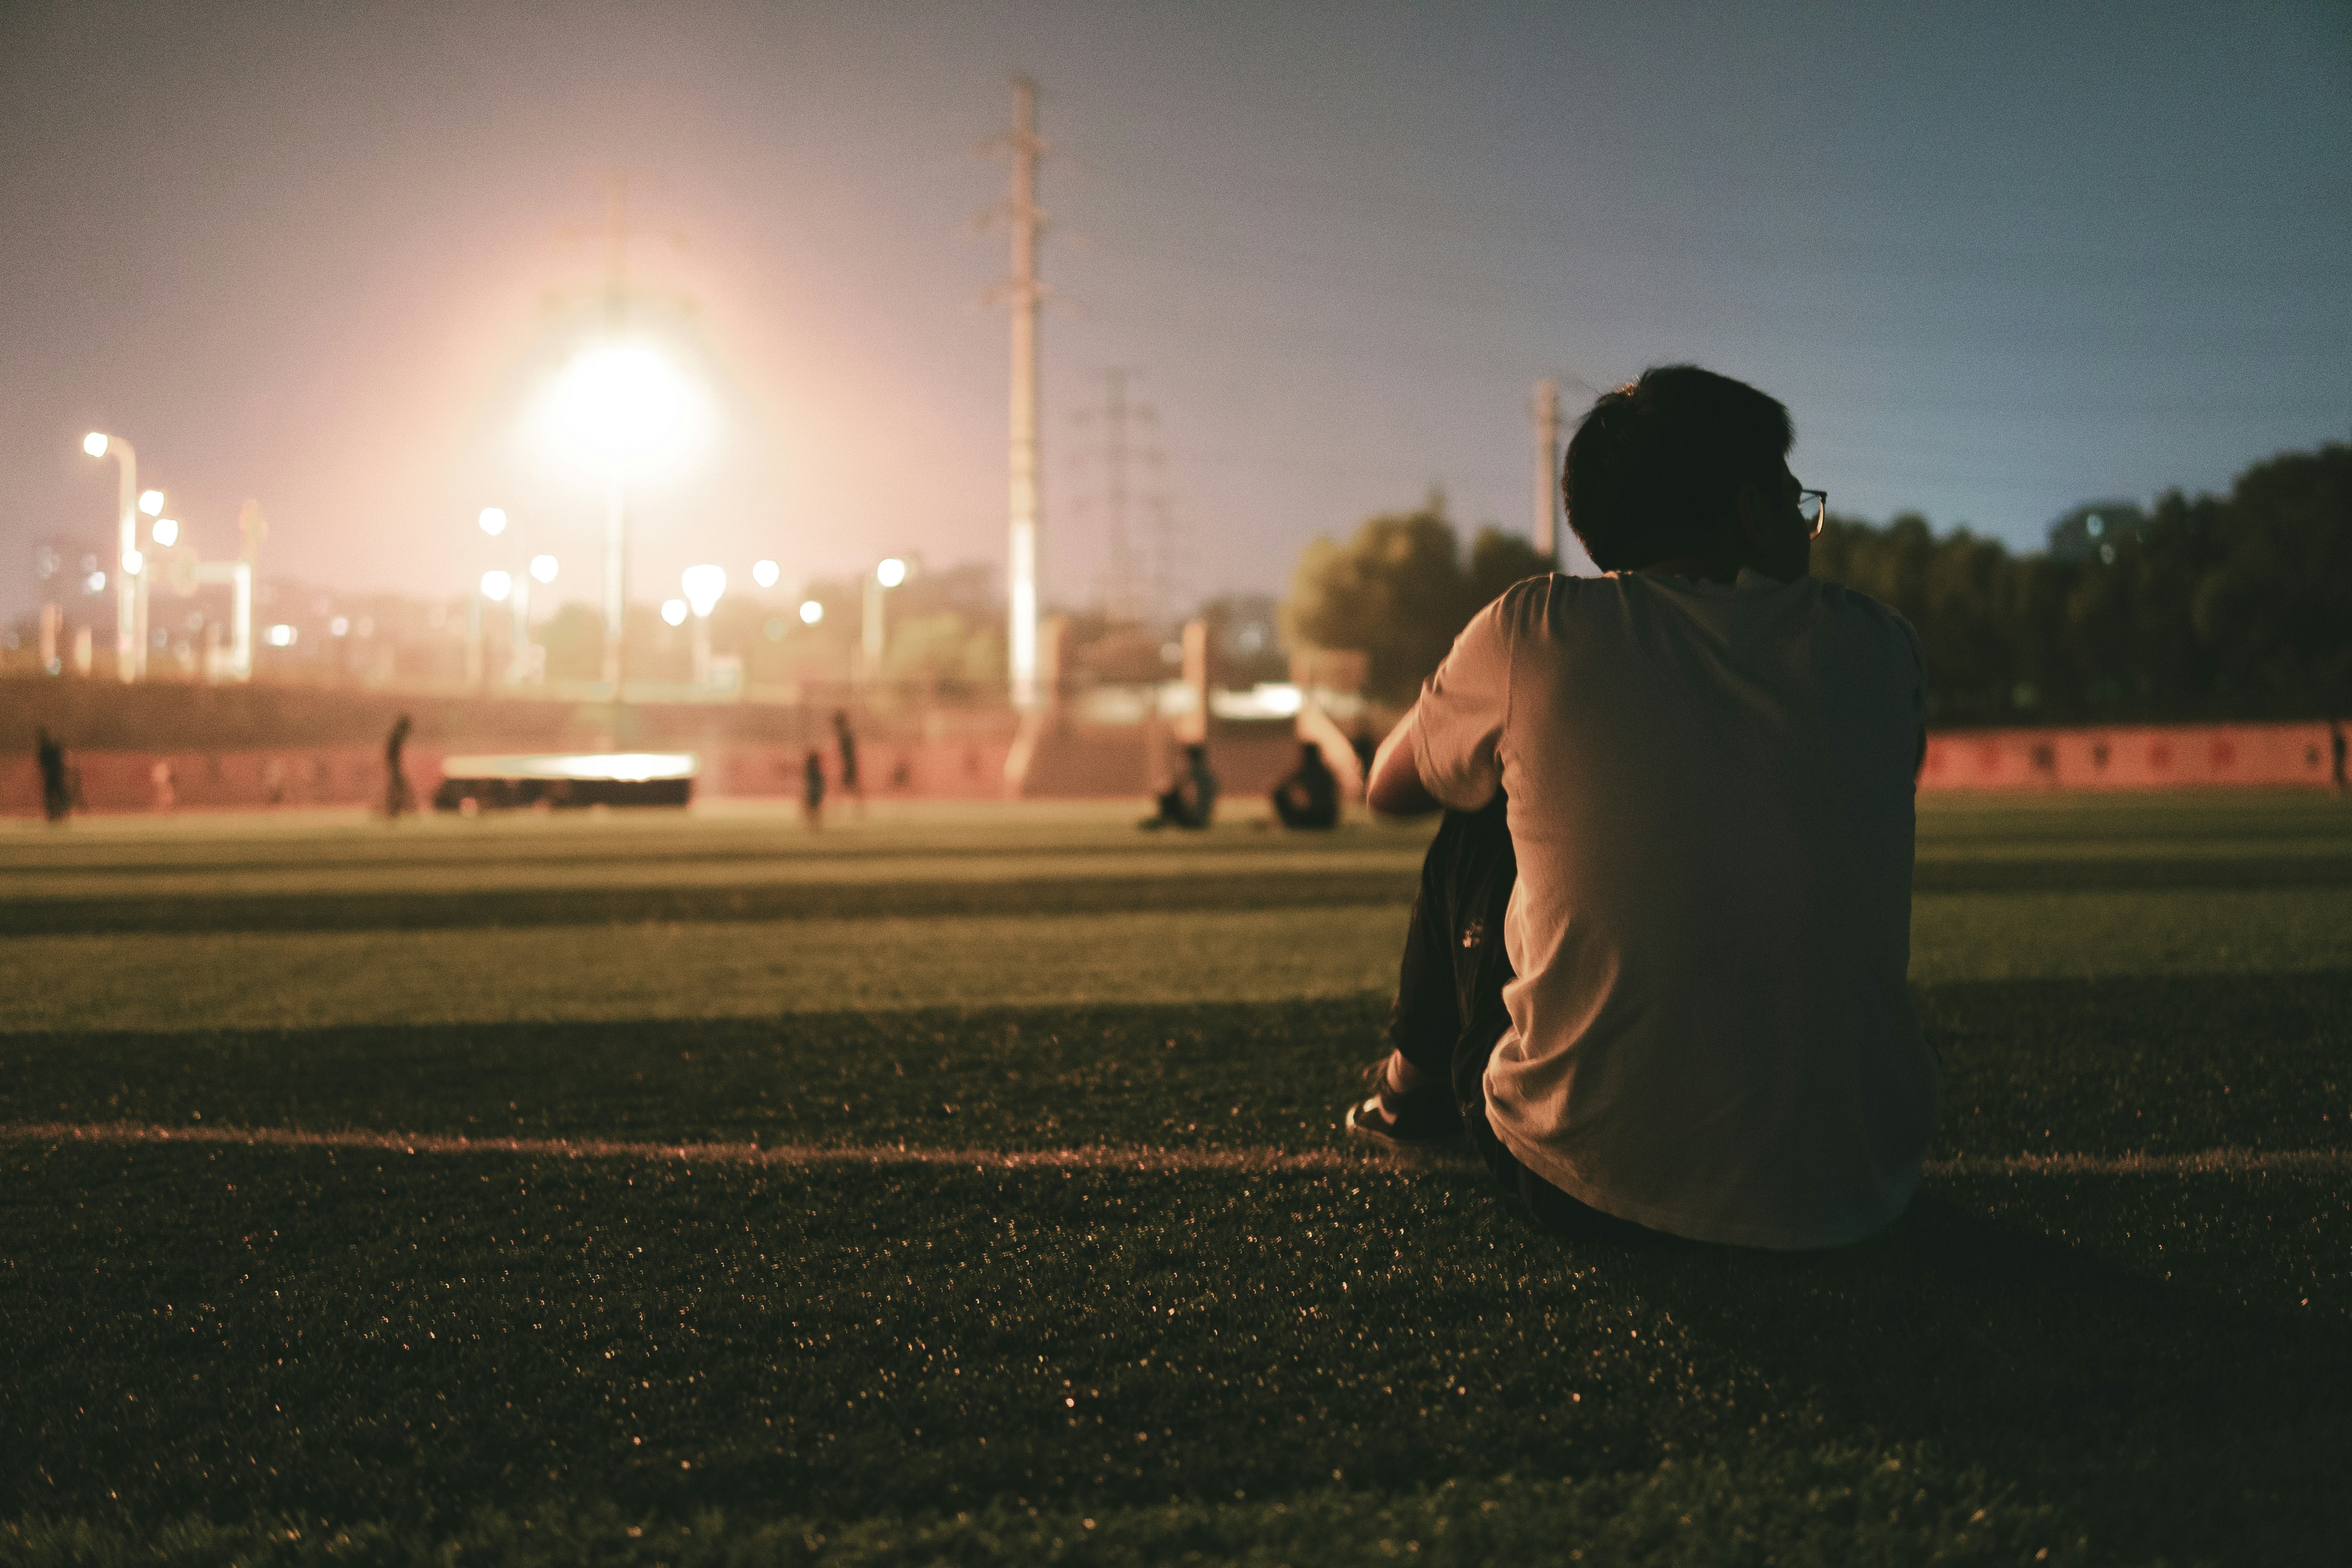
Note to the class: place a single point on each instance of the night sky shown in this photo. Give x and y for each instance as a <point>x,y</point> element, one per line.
<point>1998,259</point>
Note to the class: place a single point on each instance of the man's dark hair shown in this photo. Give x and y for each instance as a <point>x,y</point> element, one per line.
<point>1657,464</point>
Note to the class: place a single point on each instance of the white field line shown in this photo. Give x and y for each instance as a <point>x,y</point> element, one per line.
<point>1094,1157</point>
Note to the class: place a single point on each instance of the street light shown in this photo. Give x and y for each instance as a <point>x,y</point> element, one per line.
<point>542,569</point>
<point>152,503</point>
<point>493,521</point>
<point>166,532</point>
<point>765,572</point>
<point>811,612</point>
<point>495,586</point>
<point>621,410</point>
<point>888,573</point>
<point>703,585</point>
<point>674,612</point>
<point>130,655</point>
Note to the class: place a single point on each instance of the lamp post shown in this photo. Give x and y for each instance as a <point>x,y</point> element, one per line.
<point>98,444</point>
<point>703,585</point>
<point>872,634</point>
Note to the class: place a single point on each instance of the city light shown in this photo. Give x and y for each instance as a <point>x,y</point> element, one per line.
<point>167,531</point>
<point>543,568</point>
<point>279,636</point>
<point>495,586</point>
<point>623,409</point>
<point>674,612</point>
<point>493,521</point>
<point>134,562</point>
<point>95,443</point>
<point>811,612</point>
<point>703,585</point>
<point>892,573</point>
<point>765,572</point>
<point>151,502</point>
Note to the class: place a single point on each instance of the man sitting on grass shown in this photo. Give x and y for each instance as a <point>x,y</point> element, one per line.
<point>1656,968</point>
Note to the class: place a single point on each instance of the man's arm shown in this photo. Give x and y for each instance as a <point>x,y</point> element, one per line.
<point>1395,788</point>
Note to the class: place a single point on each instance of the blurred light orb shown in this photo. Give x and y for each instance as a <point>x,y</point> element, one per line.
<point>811,612</point>
<point>674,612</point>
<point>495,586</point>
<point>543,568</point>
<point>765,572</point>
<point>703,585</point>
<point>134,562</point>
<point>625,409</point>
<point>95,443</point>
<point>167,531</point>
<point>94,584</point>
<point>892,573</point>
<point>279,636</point>
<point>341,627</point>
<point>151,502</point>
<point>493,521</point>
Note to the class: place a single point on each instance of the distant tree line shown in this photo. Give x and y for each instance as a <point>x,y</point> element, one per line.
<point>2236,606</point>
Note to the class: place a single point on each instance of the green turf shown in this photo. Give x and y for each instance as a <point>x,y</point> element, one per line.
<point>2155,1067</point>
<point>225,1354</point>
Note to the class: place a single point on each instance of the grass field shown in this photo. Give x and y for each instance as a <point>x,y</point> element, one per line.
<point>966,1186</point>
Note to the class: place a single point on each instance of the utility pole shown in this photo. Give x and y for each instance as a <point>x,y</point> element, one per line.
<point>1546,534</point>
<point>1024,292</point>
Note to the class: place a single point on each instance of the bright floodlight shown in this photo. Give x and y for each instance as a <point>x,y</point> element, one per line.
<point>624,408</point>
<point>167,531</point>
<point>495,586</point>
<point>151,502</point>
<point>674,612</point>
<point>703,585</point>
<point>543,568</point>
<point>892,573</point>
<point>811,612</point>
<point>95,443</point>
<point>765,572</point>
<point>134,562</point>
<point>493,521</point>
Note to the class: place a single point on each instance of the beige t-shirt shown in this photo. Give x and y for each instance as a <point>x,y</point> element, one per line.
<point>1710,796</point>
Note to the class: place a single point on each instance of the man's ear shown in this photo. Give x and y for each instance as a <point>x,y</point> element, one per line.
<point>1752,516</point>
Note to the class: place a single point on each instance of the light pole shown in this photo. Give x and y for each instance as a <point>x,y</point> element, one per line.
<point>98,444</point>
<point>703,585</point>
<point>872,634</point>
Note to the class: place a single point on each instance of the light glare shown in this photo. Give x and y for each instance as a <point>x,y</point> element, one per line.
<point>765,572</point>
<point>892,573</point>
<point>95,443</point>
<point>811,612</point>
<point>495,586</point>
<point>674,612</point>
<point>543,568</point>
<point>623,410</point>
<point>134,562</point>
<point>151,502</point>
<point>494,522</point>
<point>703,585</point>
<point>279,636</point>
<point>167,531</point>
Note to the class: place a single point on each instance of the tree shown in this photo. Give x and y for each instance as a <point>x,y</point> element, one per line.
<point>1399,592</point>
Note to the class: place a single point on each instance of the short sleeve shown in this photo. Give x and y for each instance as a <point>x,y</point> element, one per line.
<point>1458,725</point>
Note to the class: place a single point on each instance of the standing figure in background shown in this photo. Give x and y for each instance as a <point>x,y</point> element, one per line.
<point>812,789</point>
<point>57,797</point>
<point>845,740</point>
<point>2335,744</point>
<point>1309,796</point>
<point>166,794</point>
<point>1192,800</point>
<point>398,797</point>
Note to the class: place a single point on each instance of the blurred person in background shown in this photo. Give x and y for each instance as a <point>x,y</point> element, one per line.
<point>397,796</point>
<point>56,795</point>
<point>1308,795</point>
<point>812,789</point>
<point>1655,972</point>
<point>1192,800</point>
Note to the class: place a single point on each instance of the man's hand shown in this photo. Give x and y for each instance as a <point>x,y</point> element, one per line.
<point>1395,788</point>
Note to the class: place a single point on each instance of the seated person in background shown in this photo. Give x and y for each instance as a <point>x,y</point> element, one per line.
<point>1192,800</point>
<point>1655,971</point>
<point>1309,796</point>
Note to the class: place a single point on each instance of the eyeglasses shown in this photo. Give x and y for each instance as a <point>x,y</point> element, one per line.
<point>1813,506</point>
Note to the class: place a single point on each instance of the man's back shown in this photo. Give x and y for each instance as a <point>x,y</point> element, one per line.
<point>1710,801</point>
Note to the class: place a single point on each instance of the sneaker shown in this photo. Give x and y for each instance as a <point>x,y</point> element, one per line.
<point>1424,1119</point>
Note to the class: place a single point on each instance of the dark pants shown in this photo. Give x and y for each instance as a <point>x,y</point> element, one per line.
<point>1449,1017</point>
